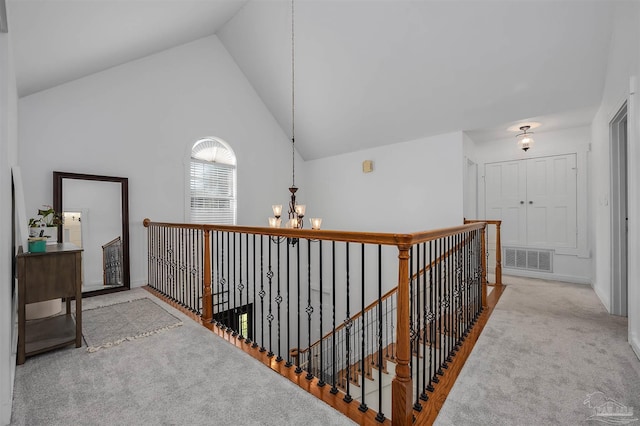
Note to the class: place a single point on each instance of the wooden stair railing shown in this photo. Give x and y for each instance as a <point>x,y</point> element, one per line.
<point>199,300</point>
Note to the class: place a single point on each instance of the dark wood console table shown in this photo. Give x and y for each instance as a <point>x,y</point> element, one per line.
<point>57,273</point>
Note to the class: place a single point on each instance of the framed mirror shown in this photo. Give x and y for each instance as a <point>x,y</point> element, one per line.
<point>95,212</point>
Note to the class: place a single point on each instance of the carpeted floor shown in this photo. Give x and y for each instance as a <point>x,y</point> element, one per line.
<point>545,349</point>
<point>183,376</point>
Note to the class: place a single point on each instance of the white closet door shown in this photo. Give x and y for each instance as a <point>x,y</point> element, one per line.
<point>551,201</point>
<point>535,199</point>
<point>505,192</point>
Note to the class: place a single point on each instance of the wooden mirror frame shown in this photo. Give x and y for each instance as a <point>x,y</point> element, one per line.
<point>58,178</point>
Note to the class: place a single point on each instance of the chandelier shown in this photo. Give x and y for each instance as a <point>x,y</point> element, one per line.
<point>296,211</point>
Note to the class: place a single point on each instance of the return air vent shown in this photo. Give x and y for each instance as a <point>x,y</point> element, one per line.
<point>529,259</point>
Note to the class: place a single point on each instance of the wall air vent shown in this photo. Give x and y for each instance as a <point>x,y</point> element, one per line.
<point>528,259</point>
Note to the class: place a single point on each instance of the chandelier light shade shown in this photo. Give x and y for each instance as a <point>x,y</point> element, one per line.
<point>296,211</point>
<point>525,140</point>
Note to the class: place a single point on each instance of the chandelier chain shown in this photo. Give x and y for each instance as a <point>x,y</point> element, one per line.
<point>293,98</point>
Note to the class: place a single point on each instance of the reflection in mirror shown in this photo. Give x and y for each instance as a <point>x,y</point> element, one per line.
<point>95,211</point>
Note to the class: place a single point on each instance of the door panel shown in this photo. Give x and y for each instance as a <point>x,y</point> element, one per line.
<point>535,199</point>
<point>505,194</point>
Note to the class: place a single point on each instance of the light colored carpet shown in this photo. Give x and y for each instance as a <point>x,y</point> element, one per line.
<point>546,348</point>
<point>184,376</point>
<point>114,324</point>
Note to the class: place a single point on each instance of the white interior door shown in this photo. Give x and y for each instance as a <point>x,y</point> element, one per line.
<point>551,201</point>
<point>505,193</point>
<point>535,199</point>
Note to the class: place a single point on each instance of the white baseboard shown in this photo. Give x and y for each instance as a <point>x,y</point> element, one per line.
<point>138,283</point>
<point>635,345</point>
<point>604,298</point>
<point>546,276</point>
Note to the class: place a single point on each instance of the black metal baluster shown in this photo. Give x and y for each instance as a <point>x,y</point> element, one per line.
<point>278,303</point>
<point>181,268</point>
<point>262,293</point>
<point>298,367</point>
<point>465,281</point>
<point>225,281</point>
<point>474,267</point>
<point>270,315</point>
<point>334,389</point>
<point>445,302</point>
<point>191,276</point>
<point>431,318</point>
<point>386,328</point>
<point>289,363</point>
<point>161,248</point>
<point>449,291</point>
<point>476,273</point>
<point>253,300</point>
<point>425,269</point>
<point>480,274</point>
<point>380,415</point>
<point>439,300</point>
<point>309,310</point>
<point>233,288</point>
<point>415,338</point>
<point>240,289</point>
<point>348,323</point>
<point>363,406</point>
<point>321,382</point>
<point>458,289</point>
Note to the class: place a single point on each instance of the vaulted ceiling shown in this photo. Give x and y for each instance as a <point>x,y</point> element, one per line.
<point>367,72</point>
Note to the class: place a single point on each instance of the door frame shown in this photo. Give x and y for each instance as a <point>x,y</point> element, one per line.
<point>618,138</point>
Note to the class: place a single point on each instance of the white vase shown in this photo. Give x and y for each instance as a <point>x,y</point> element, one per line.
<point>51,232</point>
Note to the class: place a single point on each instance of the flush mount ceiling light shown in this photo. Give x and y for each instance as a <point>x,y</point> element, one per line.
<point>525,141</point>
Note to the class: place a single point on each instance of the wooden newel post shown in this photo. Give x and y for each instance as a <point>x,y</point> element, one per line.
<point>483,243</point>
<point>401,387</point>
<point>207,308</point>
<point>498,254</point>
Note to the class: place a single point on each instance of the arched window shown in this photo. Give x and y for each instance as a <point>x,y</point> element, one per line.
<point>213,182</point>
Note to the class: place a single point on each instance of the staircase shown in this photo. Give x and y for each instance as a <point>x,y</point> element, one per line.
<point>262,289</point>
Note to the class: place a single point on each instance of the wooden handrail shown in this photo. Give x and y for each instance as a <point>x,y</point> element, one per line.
<point>113,242</point>
<point>342,236</point>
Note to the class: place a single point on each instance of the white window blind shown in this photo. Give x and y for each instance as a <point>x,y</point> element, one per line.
<point>213,183</point>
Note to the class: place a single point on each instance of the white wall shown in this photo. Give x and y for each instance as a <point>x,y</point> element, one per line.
<point>414,186</point>
<point>137,121</point>
<point>471,184</point>
<point>8,157</point>
<point>572,265</point>
<point>624,63</point>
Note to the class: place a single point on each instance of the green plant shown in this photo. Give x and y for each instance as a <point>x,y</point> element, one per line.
<point>48,217</point>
